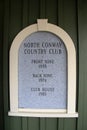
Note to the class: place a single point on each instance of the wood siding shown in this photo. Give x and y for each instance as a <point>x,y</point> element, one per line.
<point>71,15</point>
<point>1,66</point>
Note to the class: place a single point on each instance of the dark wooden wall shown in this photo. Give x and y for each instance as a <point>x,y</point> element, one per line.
<point>1,66</point>
<point>71,15</point>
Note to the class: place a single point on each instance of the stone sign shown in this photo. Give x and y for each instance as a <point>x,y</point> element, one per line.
<point>42,72</point>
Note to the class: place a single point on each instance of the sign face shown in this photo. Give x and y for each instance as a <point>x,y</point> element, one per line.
<point>42,72</point>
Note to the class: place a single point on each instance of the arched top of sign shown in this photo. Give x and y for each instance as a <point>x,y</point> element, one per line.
<point>43,55</point>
